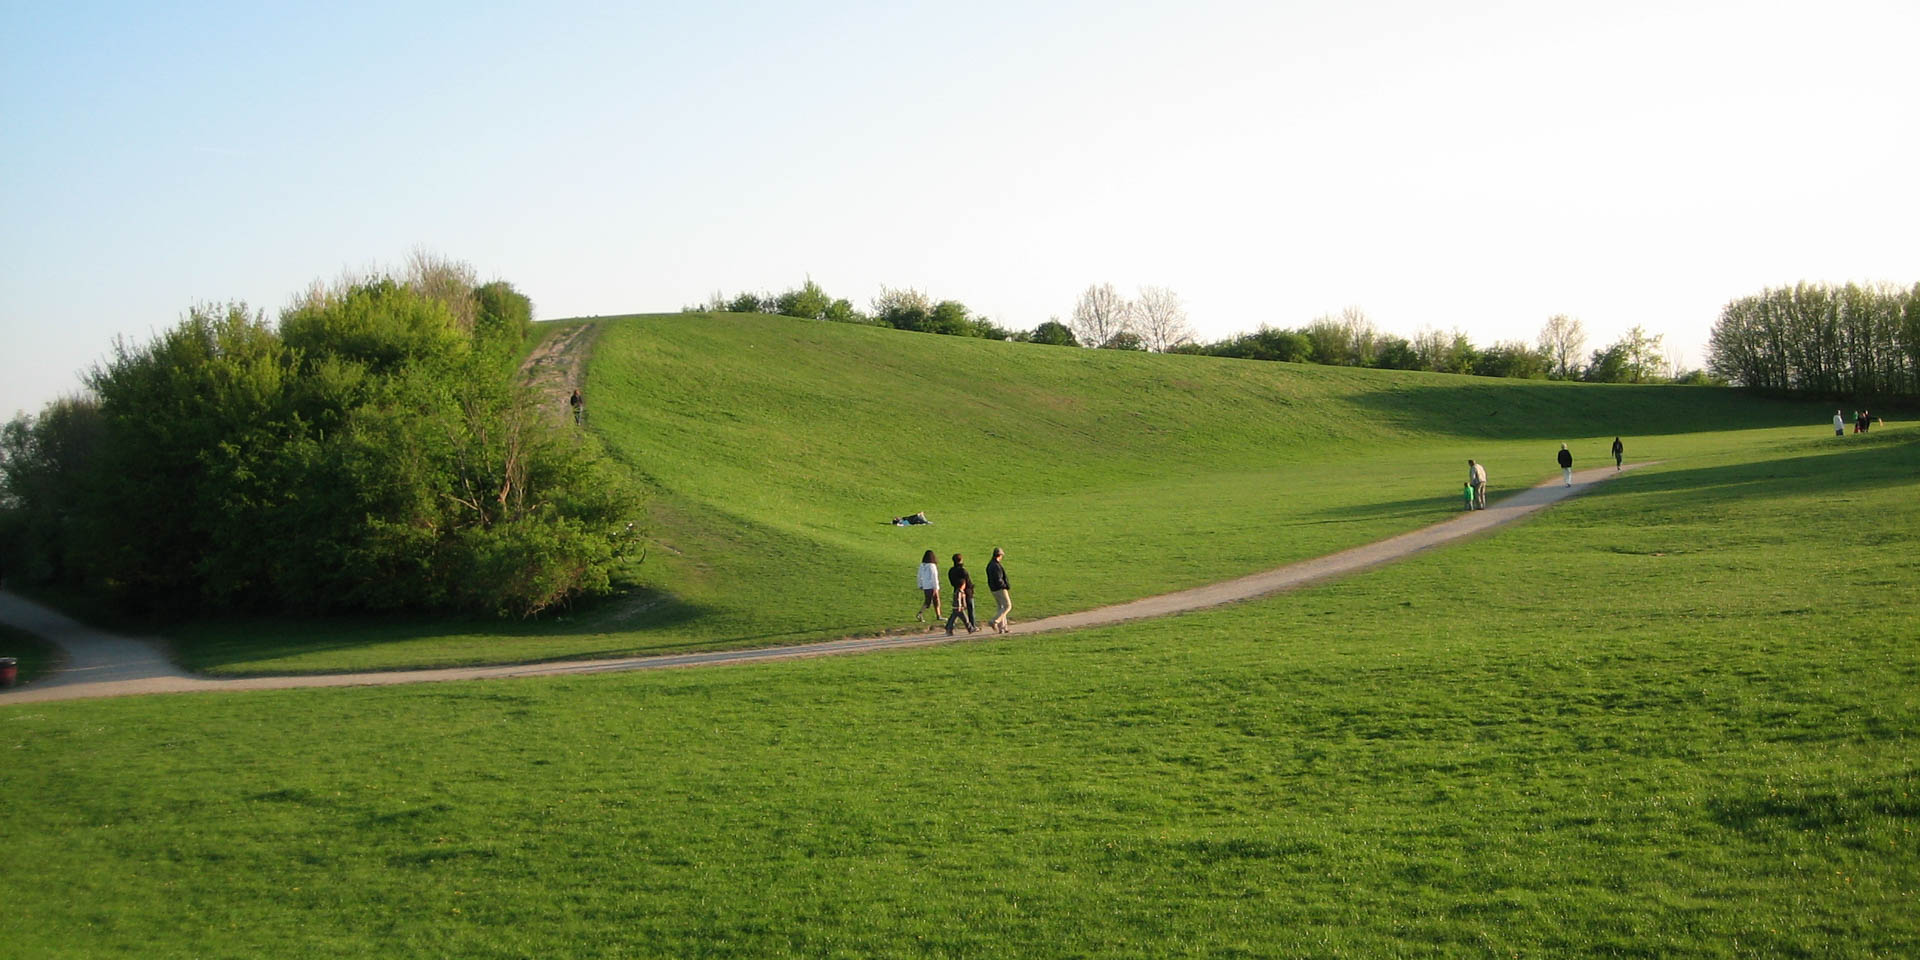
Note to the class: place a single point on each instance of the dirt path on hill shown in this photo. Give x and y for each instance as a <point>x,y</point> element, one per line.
<point>101,664</point>
<point>558,366</point>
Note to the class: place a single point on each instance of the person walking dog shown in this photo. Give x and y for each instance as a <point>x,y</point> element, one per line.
<point>1566,464</point>
<point>1619,453</point>
<point>962,596</point>
<point>997,584</point>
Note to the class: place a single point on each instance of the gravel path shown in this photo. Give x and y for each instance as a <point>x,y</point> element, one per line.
<point>101,664</point>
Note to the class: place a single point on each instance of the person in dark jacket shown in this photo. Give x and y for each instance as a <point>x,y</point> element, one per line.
<point>997,583</point>
<point>962,595</point>
<point>1619,453</point>
<point>1566,464</point>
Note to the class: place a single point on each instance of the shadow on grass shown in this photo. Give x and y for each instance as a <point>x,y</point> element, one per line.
<point>1867,462</point>
<point>1491,408</point>
<point>238,641</point>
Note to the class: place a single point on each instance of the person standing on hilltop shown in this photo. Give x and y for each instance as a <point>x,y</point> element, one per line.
<point>997,584</point>
<point>1566,464</point>
<point>929,588</point>
<point>1619,453</point>
<point>962,596</point>
<point>1477,478</point>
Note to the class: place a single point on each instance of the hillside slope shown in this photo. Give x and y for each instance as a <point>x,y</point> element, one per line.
<point>779,448</point>
<point>776,450</point>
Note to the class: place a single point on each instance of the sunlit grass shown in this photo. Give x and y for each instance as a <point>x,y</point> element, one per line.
<point>776,450</point>
<point>1675,717</point>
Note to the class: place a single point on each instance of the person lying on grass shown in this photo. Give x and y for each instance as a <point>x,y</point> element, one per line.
<point>913,520</point>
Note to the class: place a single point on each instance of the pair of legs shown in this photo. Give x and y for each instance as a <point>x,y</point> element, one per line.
<point>963,612</point>
<point>930,598</point>
<point>1479,495</point>
<point>999,621</point>
<point>1566,473</point>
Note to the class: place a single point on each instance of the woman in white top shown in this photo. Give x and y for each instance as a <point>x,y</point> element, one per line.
<point>929,588</point>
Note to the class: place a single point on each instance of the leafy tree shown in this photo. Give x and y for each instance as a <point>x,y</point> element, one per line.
<point>1266,343</point>
<point>1513,359</point>
<point>502,313</point>
<point>950,317</point>
<point>1124,340</point>
<point>842,311</point>
<point>749,303</point>
<point>1396,353</point>
<point>1634,358</point>
<point>364,455</point>
<point>903,309</point>
<point>808,303</point>
<point>1054,332</point>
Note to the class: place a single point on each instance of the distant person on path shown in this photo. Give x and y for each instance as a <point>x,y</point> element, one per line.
<point>997,584</point>
<point>1566,464</point>
<point>1477,478</point>
<point>1619,453</point>
<point>929,588</point>
<point>1466,493</point>
<point>579,407</point>
<point>962,596</point>
<point>1839,425</point>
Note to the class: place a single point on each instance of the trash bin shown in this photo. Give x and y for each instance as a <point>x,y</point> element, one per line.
<point>9,671</point>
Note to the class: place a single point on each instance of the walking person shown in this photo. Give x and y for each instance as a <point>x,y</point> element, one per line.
<point>1566,464</point>
<point>997,584</point>
<point>579,407</point>
<point>1477,478</point>
<point>1619,453</point>
<point>929,588</point>
<point>1839,425</point>
<point>962,595</point>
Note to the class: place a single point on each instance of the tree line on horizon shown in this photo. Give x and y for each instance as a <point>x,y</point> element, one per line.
<point>375,450</point>
<point>1155,321</point>
<point>1856,342</point>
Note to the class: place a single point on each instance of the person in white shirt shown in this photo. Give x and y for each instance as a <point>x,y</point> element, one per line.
<point>1839,425</point>
<point>929,588</point>
<point>1477,475</point>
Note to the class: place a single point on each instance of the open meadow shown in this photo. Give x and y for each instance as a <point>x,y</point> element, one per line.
<point>776,450</point>
<point>1673,717</point>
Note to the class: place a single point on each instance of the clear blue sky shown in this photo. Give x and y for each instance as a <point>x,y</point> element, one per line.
<point>1471,164</point>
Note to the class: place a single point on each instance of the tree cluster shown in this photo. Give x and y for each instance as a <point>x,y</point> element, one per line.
<point>1853,341</point>
<point>375,450</point>
<point>1155,320</point>
<point>901,309</point>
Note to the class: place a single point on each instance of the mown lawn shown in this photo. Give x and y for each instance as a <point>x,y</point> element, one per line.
<point>1676,717</point>
<point>775,451</point>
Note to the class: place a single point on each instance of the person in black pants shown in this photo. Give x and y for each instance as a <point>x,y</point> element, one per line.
<point>1619,453</point>
<point>962,596</point>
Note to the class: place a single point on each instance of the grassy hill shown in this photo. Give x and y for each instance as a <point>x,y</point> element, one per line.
<point>777,449</point>
<point>1674,717</point>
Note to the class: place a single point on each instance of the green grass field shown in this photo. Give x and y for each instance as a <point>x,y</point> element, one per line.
<point>1675,717</point>
<point>775,450</point>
